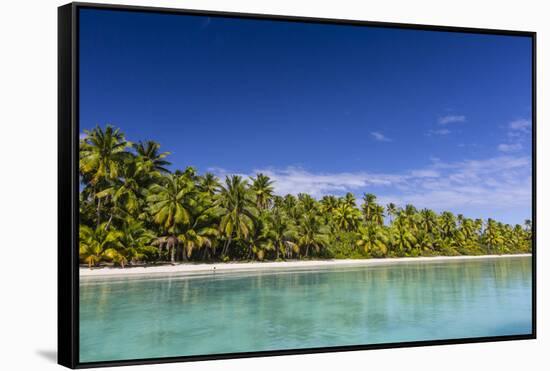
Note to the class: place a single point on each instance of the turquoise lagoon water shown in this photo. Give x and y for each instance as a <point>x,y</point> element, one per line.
<point>132,318</point>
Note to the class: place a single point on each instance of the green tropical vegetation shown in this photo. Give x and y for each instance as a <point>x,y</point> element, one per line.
<point>133,210</point>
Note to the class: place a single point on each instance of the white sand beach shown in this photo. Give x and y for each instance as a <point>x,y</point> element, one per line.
<point>198,268</point>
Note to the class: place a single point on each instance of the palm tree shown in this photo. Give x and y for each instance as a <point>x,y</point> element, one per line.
<point>447,224</point>
<point>492,236</point>
<point>306,203</point>
<point>410,210</point>
<point>195,237</point>
<point>391,209</point>
<point>262,187</point>
<point>346,217</point>
<point>311,234</point>
<point>328,204</point>
<point>135,243</point>
<point>424,241</point>
<point>349,199</point>
<point>369,205</point>
<point>290,204</point>
<point>94,242</point>
<point>170,203</point>
<point>377,215</point>
<point>281,234</point>
<point>102,155</point>
<point>125,192</point>
<point>258,242</point>
<point>428,220</point>
<point>202,231</point>
<point>373,240</point>
<point>209,184</point>
<point>236,204</point>
<point>402,238</point>
<point>150,159</point>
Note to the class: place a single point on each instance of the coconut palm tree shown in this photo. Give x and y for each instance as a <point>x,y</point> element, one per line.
<point>289,206</point>
<point>328,204</point>
<point>349,199</point>
<point>282,234</point>
<point>377,215</point>
<point>424,241</point>
<point>170,203</point>
<point>237,207</point>
<point>94,242</point>
<point>369,205</point>
<point>195,237</point>
<point>125,193</point>
<point>428,220</point>
<point>258,242</point>
<point>346,217</point>
<point>312,234</point>
<point>102,155</point>
<point>134,244</point>
<point>209,184</point>
<point>306,203</point>
<point>391,209</point>
<point>492,237</point>
<point>402,238</point>
<point>262,187</point>
<point>150,159</point>
<point>447,224</point>
<point>373,240</point>
<point>202,231</point>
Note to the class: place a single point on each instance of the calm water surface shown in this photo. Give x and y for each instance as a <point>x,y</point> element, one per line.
<point>131,318</point>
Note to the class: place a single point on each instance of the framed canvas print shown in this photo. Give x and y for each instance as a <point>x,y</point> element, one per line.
<point>238,185</point>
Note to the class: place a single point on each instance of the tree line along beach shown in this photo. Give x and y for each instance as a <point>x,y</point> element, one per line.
<point>134,211</point>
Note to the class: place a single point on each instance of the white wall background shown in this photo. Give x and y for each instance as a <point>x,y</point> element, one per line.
<point>28,83</point>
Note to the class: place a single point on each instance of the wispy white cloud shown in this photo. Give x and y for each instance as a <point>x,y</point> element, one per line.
<point>498,183</point>
<point>439,132</point>
<point>514,147</point>
<point>522,125</point>
<point>296,180</point>
<point>449,119</point>
<point>425,173</point>
<point>82,136</point>
<point>518,132</point>
<point>380,137</point>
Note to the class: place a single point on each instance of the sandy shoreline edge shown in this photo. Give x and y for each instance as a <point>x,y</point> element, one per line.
<point>198,268</point>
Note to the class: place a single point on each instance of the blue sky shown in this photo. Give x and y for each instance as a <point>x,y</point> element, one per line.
<point>437,119</point>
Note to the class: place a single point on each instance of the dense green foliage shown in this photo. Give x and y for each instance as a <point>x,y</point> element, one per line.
<point>133,210</point>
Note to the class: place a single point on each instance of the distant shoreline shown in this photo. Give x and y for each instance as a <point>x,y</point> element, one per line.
<point>198,268</point>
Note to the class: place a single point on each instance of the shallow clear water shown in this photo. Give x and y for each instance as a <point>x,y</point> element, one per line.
<point>133,318</point>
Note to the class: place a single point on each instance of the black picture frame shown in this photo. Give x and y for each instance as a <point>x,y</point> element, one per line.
<point>68,184</point>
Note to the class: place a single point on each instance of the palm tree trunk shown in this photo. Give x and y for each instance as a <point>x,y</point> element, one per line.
<point>109,222</point>
<point>98,212</point>
<point>172,248</point>
<point>184,254</point>
<point>226,246</point>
